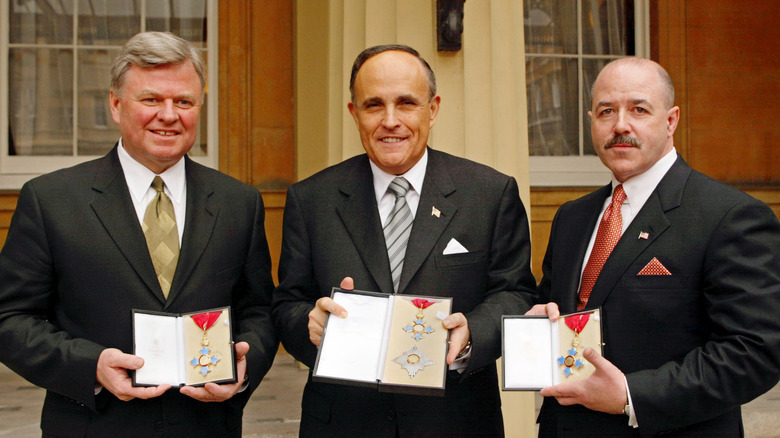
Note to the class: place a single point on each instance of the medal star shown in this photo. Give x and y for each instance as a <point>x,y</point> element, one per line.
<point>573,351</point>
<point>204,371</point>
<point>579,363</point>
<point>205,350</point>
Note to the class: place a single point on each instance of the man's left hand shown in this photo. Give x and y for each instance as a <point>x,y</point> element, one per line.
<point>213,392</point>
<point>459,335</point>
<point>604,390</point>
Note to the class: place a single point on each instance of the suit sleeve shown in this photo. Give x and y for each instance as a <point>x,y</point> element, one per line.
<point>741,289</point>
<point>32,346</point>
<point>252,302</point>
<point>297,292</point>
<point>509,283</point>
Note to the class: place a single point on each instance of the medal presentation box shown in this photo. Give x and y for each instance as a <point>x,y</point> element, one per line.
<point>184,349</point>
<point>393,342</point>
<point>538,352</point>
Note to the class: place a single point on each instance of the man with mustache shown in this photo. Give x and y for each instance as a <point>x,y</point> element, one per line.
<point>686,271</point>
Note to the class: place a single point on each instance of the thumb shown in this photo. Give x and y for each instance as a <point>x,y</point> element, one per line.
<point>242,348</point>
<point>127,361</point>
<point>593,357</point>
<point>348,283</point>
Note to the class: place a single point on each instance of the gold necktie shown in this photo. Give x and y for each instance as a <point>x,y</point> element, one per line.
<point>162,236</point>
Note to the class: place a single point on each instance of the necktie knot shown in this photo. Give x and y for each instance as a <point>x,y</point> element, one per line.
<point>399,186</point>
<point>158,184</point>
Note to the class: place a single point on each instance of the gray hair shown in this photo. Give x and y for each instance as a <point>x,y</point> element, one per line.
<point>375,50</point>
<point>152,49</point>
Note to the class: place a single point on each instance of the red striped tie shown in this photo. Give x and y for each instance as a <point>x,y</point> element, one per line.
<point>607,236</point>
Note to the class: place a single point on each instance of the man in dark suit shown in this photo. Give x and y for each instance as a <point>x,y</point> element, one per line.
<point>690,294</point>
<point>333,228</point>
<point>76,262</point>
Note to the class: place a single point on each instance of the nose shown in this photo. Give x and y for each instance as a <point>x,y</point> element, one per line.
<point>622,125</point>
<point>390,119</point>
<point>168,112</point>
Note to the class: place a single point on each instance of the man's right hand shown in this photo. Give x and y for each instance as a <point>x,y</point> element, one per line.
<point>112,375</point>
<point>322,307</point>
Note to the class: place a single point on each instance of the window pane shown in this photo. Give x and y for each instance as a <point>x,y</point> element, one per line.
<point>185,18</point>
<point>200,146</point>
<point>608,27</point>
<point>97,131</point>
<point>549,26</point>
<point>36,22</point>
<point>553,116</point>
<point>590,69</point>
<point>108,22</point>
<point>40,102</point>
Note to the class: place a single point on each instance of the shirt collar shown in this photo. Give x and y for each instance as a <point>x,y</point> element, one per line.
<point>639,187</point>
<point>139,177</point>
<point>415,176</point>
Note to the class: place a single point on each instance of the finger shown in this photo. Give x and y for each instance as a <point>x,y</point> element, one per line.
<point>453,321</point>
<point>537,310</point>
<point>326,304</point>
<point>116,359</point>
<point>151,392</point>
<point>242,348</point>
<point>347,283</point>
<point>593,357</point>
<point>551,309</point>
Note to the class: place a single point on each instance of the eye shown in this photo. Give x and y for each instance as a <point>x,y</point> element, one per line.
<point>149,100</point>
<point>606,112</point>
<point>183,103</point>
<point>640,110</point>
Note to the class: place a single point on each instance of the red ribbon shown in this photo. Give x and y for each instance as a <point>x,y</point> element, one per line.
<point>206,320</point>
<point>577,322</point>
<point>421,303</point>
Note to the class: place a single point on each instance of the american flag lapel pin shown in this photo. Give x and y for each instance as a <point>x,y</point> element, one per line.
<point>435,212</point>
<point>644,235</point>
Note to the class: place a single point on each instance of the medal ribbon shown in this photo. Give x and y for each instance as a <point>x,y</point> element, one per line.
<point>421,303</point>
<point>206,320</point>
<point>577,322</point>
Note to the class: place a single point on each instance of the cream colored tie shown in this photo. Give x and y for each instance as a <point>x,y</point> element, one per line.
<point>162,236</point>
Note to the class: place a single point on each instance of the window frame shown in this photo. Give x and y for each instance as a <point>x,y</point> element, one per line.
<point>585,170</point>
<point>16,170</point>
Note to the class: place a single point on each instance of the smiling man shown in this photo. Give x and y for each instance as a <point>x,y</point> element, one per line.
<point>690,293</point>
<point>333,228</point>
<point>81,255</point>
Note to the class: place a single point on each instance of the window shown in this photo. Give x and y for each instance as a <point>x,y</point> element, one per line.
<point>55,62</point>
<point>567,42</point>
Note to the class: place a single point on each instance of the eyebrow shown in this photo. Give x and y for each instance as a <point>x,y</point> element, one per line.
<point>148,91</point>
<point>633,101</point>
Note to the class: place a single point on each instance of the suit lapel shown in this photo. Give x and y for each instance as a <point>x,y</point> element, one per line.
<point>652,220</point>
<point>358,211</point>
<point>114,208</point>
<point>427,227</point>
<point>575,238</point>
<point>199,224</point>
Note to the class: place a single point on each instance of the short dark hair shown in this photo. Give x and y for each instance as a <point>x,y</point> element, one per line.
<point>375,50</point>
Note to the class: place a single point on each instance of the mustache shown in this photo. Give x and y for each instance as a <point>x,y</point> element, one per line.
<point>622,139</point>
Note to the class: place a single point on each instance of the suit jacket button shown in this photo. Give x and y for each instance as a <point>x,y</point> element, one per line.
<point>159,426</point>
<point>391,415</point>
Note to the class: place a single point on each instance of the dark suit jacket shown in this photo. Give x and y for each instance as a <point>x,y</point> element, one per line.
<point>332,230</point>
<point>74,265</point>
<point>694,345</point>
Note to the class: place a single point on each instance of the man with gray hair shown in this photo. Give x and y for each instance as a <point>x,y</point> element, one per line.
<point>80,257</point>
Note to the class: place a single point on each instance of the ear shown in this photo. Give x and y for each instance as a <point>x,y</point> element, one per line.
<point>434,110</point>
<point>113,104</point>
<point>672,119</point>
<point>353,111</point>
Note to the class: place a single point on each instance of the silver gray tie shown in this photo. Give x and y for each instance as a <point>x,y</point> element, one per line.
<point>398,228</point>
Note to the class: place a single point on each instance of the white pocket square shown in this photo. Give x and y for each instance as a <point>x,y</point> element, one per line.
<point>454,247</point>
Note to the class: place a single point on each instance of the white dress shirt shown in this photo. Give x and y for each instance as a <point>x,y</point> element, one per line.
<point>139,182</point>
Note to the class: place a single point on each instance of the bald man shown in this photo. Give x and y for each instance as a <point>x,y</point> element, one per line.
<point>690,294</point>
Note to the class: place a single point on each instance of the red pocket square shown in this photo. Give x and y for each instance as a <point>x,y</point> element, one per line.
<point>654,267</point>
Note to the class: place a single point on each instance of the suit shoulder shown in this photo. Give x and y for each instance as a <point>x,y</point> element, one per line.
<point>468,168</point>
<point>329,177</point>
<point>219,181</point>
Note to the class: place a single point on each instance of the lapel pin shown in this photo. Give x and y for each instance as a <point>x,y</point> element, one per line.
<point>435,212</point>
<point>644,235</point>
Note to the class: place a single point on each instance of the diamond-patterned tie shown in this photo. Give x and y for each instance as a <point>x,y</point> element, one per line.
<point>398,228</point>
<point>162,236</point>
<point>607,236</point>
